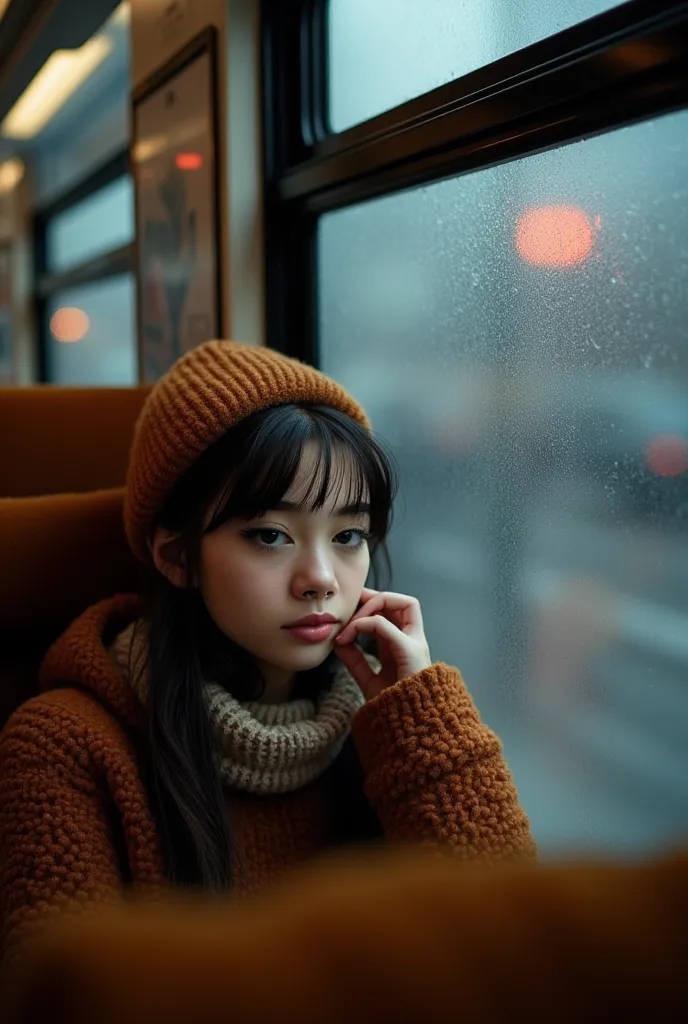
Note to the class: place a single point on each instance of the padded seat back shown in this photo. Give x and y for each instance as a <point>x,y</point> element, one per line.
<point>58,555</point>
<point>61,439</point>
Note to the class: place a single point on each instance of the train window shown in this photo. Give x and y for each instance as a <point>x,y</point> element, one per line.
<point>98,224</point>
<point>520,335</point>
<point>100,316</point>
<point>385,53</point>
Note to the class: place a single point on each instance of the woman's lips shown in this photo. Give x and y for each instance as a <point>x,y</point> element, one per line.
<point>313,634</point>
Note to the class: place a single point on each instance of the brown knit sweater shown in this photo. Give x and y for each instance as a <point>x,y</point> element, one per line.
<point>75,823</point>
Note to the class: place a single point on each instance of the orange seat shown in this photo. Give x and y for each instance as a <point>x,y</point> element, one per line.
<point>59,554</point>
<point>62,542</point>
<point>61,439</point>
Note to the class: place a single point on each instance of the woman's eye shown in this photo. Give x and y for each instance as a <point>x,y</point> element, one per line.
<point>352,538</point>
<point>267,538</point>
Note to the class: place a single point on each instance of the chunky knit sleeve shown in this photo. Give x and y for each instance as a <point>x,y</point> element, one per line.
<point>56,848</point>
<point>434,773</point>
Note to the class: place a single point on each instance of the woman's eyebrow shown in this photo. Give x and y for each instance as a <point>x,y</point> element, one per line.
<point>353,509</point>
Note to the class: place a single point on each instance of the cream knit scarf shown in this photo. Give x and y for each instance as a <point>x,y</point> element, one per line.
<point>266,748</point>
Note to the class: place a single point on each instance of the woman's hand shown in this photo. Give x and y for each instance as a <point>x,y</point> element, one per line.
<point>397,623</point>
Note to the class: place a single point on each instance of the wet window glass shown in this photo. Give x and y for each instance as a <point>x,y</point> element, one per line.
<point>390,51</point>
<point>520,336</point>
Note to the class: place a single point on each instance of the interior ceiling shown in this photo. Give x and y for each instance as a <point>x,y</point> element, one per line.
<point>33,29</point>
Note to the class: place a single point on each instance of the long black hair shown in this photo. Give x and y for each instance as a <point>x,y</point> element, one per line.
<point>243,475</point>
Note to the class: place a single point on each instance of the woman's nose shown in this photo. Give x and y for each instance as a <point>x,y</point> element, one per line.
<point>316,579</point>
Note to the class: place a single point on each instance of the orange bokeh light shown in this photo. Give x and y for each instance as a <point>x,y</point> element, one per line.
<point>667,455</point>
<point>554,236</point>
<point>69,324</point>
<point>189,161</point>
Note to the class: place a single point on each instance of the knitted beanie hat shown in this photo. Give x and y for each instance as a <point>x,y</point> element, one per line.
<point>207,391</point>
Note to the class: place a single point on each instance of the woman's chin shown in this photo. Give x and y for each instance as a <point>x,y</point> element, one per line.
<point>310,659</point>
<point>304,659</point>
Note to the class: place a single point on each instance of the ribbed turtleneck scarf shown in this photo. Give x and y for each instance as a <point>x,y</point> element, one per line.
<point>265,748</point>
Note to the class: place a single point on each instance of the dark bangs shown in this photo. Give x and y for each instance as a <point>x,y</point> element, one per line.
<point>261,456</point>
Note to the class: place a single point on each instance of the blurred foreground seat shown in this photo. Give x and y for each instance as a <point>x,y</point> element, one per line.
<point>390,938</point>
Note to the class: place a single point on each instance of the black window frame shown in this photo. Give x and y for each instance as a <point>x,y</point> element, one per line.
<point>120,260</point>
<point>620,67</point>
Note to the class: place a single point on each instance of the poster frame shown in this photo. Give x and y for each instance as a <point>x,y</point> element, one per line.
<point>205,43</point>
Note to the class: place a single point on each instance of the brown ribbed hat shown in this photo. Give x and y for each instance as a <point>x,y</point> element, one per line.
<point>207,391</point>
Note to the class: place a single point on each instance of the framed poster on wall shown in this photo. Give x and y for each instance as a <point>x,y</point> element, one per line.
<point>175,162</point>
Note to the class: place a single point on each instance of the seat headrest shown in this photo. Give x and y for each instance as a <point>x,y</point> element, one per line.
<point>59,554</point>
<point>66,439</point>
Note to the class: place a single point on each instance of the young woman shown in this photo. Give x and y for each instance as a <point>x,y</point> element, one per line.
<point>228,725</point>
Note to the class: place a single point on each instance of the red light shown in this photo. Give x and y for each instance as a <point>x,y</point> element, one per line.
<point>189,161</point>
<point>554,236</point>
<point>667,455</point>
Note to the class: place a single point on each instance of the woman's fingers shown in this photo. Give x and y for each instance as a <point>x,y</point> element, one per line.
<point>372,624</point>
<point>405,610</point>
<point>389,598</point>
<point>400,654</point>
<point>356,663</point>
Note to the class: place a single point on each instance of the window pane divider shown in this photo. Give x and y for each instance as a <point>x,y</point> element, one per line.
<point>512,107</point>
<point>117,261</point>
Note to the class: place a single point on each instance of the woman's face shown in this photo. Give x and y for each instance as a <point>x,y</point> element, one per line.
<point>258,578</point>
